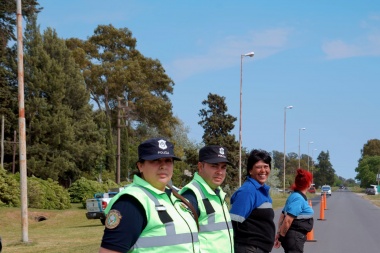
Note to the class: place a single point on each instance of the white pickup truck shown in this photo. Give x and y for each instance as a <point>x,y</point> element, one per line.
<point>95,207</point>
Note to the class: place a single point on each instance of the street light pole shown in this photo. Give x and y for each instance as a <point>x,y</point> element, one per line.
<point>299,146</point>
<point>312,164</point>
<point>250,54</point>
<point>286,107</point>
<point>308,145</point>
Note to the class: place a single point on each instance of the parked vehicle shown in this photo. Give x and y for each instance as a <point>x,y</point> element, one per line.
<point>370,191</point>
<point>326,189</point>
<point>311,189</point>
<point>95,207</point>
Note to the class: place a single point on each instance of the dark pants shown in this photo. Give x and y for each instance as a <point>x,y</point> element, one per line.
<point>245,248</point>
<point>294,242</point>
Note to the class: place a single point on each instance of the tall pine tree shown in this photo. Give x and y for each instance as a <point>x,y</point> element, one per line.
<point>62,139</point>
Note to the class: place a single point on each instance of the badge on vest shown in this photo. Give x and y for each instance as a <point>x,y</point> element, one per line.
<point>113,219</point>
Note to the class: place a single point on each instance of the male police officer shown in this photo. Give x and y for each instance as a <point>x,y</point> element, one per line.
<point>205,194</point>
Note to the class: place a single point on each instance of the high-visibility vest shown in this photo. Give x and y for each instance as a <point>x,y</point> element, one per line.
<point>215,227</point>
<point>170,224</point>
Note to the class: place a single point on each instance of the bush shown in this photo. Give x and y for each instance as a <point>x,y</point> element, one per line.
<point>9,190</point>
<point>83,189</point>
<point>47,194</point>
<point>42,194</point>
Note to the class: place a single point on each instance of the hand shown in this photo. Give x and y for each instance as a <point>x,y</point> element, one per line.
<point>277,243</point>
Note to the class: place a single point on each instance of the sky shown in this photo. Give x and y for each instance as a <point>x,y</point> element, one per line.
<point>321,57</point>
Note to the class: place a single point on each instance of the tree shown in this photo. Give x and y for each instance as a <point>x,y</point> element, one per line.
<point>369,165</point>
<point>62,139</point>
<point>371,148</point>
<point>367,170</point>
<point>8,68</point>
<point>325,172</point>
<point>8,24</point>
<point>187,150</point>
<point>217,125</point>
<point>278,162</point>
<point>112,67</point>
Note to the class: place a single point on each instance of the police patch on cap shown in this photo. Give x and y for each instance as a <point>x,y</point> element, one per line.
<point>113,219</point>
<point>156,148</point>
<point>214,154</point>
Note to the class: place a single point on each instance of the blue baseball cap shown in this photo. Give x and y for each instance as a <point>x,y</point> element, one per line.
<point>156,148</point>
<point>214,154</point>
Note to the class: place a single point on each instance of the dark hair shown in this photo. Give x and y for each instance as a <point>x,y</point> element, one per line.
<point>258,155</point>
<point>303,180</point>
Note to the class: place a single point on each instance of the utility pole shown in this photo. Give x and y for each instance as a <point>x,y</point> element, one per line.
<point>21,123</point>
<point>120,115</point>
<point>14,152</point>
<point>2,141</point>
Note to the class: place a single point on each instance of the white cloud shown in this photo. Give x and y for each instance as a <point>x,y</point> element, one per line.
<point>367,44</point>
<point>223,54</point>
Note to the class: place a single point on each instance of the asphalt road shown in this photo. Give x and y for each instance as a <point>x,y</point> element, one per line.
<point>351,225</point>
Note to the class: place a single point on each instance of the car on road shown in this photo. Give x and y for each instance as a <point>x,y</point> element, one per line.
<point>326,189</point>
<point>311,189</point>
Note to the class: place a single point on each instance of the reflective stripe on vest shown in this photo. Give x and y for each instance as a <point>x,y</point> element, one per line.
<point>211,224</point>
<point>171,238</point>
<point>166,240</point>
<point>162,213</point>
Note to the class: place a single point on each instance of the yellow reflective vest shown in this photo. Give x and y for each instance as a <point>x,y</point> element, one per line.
<point>215,227</point>
<point>170,227</point>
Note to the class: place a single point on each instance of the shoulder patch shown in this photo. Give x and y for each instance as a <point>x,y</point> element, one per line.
<point>113,219</point>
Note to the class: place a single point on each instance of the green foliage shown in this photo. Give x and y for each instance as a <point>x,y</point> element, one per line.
<point>217,125</point>
<point>324,171</point>
<point>369,163</point>
<point>371,148</point>
<point>9,190</point>
<point>83,189</point>
<point>47,194</point>
<point>273,179</point>
<point>367,170</point>
<point>43,194</point>
<point>63,139</point>
<point>112,68</point>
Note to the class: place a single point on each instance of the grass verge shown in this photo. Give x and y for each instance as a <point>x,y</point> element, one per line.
<point>63,231</point>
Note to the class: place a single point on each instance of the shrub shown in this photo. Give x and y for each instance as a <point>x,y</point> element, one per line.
<point>9,190</point>
<point>83,189</point>
<point>47,194</point>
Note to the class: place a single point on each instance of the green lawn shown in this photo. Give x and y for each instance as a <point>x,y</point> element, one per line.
<point>63,231</point>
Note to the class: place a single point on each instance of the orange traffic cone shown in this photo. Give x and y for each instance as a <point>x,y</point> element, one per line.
<point>310,235</point>
<point>322,209</point>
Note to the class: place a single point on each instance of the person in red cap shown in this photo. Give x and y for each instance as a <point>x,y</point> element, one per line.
<point>296,219</point>
<point>208,198</point>
<point>148,216</point>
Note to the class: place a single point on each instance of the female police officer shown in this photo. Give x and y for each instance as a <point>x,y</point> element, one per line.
<point>148,216</point>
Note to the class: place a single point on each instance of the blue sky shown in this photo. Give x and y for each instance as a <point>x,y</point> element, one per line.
<point>322,57</point>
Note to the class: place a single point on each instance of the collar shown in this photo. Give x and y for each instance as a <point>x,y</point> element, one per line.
<point>141,182</point>
<point>303,195</point>
<point>257,184</point>
<point>201,181</point>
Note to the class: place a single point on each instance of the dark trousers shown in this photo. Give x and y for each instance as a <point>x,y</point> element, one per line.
<point>245,248</point>
<point>294,242</point>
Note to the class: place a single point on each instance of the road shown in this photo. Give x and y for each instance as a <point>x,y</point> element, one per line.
<point>352,224</point>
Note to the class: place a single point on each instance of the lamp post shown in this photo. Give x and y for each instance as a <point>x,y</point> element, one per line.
<point>308,146</point>
<point>312,164</point>
<point>299,146</point>
<point>250,54</point>
<point>286,107</point>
